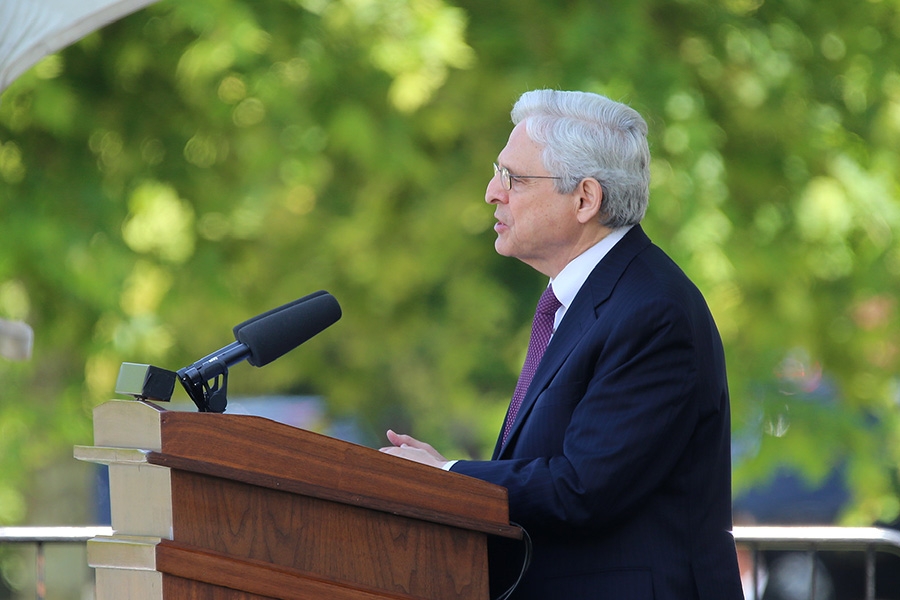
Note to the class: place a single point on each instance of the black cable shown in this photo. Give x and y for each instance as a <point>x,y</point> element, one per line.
<point>526,540</point>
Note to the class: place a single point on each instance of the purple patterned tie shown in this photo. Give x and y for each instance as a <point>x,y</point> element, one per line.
<point>541,330</point>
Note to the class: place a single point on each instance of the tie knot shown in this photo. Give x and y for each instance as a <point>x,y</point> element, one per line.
<point>548,304</point>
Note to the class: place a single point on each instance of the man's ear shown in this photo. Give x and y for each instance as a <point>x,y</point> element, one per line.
<point>590,199</point>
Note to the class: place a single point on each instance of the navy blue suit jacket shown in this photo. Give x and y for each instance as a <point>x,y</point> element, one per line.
<point>619,462</point>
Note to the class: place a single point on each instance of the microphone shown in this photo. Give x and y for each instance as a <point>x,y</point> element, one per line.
<point>269,313</point>
<point>275,335</point>
<point>259,341</point>
<point>236,352</point>
<point>16,340</point>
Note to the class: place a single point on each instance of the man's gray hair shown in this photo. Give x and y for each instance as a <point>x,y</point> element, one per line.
<point>589,135</point>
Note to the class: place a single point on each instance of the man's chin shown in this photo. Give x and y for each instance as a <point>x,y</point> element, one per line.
<point>501,248</point>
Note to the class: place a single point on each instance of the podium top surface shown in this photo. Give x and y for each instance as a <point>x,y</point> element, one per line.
<point>262,452</point>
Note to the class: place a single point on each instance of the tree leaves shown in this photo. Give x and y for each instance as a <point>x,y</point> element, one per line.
<point>198,163</point>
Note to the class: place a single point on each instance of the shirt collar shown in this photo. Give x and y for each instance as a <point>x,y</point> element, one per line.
<point>572,277</point>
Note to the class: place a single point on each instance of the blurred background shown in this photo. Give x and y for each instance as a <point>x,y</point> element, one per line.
<point>197,163</point>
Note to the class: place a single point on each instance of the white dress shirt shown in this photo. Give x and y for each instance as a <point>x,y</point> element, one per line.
<point>569,281</point>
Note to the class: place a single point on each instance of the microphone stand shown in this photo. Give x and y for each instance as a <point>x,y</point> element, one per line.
<point>196,378</point>
<point>208,398</point>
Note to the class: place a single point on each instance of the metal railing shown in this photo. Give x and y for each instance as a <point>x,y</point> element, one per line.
<point>813,540</point>
<point>40,536</point>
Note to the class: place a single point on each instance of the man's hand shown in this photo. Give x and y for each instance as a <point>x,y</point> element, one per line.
<point>410,448</point>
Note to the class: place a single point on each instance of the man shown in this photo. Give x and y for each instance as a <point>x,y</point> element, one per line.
<point>617,456</point>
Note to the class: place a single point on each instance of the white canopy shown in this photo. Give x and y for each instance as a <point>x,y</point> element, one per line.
<point>32,29</point>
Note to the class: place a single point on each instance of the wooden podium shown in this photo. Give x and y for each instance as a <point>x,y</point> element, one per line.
<point>210,506</point>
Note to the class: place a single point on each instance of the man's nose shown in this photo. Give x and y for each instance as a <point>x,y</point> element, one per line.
<point>495,192</point>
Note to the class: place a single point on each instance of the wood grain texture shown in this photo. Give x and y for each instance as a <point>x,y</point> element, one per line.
<point>194,574</point>
<point>269,454</point>
<point>339,542</point>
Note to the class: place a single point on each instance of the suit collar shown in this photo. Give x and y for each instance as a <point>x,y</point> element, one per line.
<point>571,279</point>
<point>579,318</point>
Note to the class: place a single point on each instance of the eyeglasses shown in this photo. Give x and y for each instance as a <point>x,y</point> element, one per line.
<point>506,177</point>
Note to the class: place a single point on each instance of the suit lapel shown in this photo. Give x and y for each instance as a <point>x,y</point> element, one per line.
<point>579,318</point>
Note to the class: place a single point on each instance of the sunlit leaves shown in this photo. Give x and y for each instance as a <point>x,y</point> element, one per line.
<point>14,302</point>
<point>414,41</point>
<point>12,170</point>
<point>159,223</point>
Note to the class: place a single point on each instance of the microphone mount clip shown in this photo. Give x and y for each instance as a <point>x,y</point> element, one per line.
<point>209,390</point>
<point>206,381</point>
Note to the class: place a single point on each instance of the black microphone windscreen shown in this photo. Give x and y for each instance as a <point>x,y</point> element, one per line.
<point>287,327</point>
<point>271,312</point>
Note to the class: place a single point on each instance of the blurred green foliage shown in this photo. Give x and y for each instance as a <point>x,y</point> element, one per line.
<point>200,162</point>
